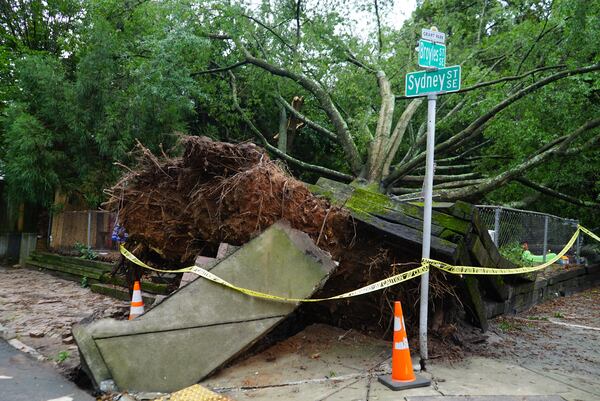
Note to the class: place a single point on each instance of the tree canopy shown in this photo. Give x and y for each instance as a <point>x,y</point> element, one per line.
<point>321,86</point>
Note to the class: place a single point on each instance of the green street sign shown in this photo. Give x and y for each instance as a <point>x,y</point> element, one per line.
<point>421,83</point>
<point>431,55</point>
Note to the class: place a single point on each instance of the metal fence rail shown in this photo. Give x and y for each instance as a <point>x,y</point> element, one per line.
<point>543,233</point>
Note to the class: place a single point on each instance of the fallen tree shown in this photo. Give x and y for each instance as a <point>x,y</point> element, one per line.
<point>177,208</point>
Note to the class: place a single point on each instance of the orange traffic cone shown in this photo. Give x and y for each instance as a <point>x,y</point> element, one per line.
<point>137,303</point>
<point>402,376</point>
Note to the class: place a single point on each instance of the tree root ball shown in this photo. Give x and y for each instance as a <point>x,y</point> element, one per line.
<point>218,192</point>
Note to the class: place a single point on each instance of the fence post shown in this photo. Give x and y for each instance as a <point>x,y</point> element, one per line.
<point>578,247</point>
<point>497,227</point>
<point>545,236</point>
<point>89,229</point>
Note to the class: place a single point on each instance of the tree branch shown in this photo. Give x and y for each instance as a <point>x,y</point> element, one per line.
<point>382,131</point>
<point>268,28</point>
<point>499,180</point>
<point>449,168</point>
<point>440,178</point>
<point>306,166</point>
<point>298,23</point>
<point>478,124</point>
<point>500,80</point>
<point>309,123</point>
<point>341,127</point>
<point>398,133</point>
<point>380,39</point>
<point>353,60</point>
<point>551,192</point>
<point>445,185</point>
<point>220,69</point>
<point>218,36</point>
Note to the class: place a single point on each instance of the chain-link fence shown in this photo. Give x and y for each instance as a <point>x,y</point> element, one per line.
<point>92,228</point>
<point>542,233</point>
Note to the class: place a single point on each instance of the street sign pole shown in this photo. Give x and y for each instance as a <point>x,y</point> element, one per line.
<point>436,79</point>
<point>428,195</point>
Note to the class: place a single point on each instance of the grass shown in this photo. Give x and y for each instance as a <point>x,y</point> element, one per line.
<point>62,356</point>
<point>506,326</point>
<point>559,315</point>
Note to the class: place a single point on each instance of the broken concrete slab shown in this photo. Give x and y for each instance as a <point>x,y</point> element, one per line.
<point>206,262</point>
<point>203,325</point>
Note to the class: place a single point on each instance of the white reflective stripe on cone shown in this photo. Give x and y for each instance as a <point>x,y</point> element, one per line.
<point>136,310</point>
<point>397,324</point>
<point>137,296</point>
<point>402,344</point>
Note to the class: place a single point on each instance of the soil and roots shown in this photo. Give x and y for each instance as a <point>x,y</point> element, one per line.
<point>175,208</point>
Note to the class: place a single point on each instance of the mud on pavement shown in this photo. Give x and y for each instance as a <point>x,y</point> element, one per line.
<point>558,339</point>
<point>41,309</point>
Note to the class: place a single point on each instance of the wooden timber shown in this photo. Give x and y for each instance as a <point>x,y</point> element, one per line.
<point>458,236</point>
<point>94,272</point>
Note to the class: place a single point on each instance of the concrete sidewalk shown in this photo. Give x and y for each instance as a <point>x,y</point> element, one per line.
<point>23,378</point>
<point>326,363</point>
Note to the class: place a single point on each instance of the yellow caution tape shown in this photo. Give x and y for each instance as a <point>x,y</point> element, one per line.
<point>496,271</point>
<point>379,285</point>
<point>132,258</point>
<point>588,232</point>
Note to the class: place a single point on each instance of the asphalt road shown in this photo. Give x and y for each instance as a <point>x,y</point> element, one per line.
<point>23,378</point>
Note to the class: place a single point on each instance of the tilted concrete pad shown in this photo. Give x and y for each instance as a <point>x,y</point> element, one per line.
<point>203,325</point>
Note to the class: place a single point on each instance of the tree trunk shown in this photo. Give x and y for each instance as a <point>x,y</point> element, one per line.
<point>377,150</point>
<point>282,143</point>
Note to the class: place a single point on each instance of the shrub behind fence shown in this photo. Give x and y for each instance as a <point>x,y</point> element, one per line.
<point>544,233</point>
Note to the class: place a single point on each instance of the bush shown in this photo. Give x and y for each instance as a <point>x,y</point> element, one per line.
<point>85,251</point>
<point>514,252</point>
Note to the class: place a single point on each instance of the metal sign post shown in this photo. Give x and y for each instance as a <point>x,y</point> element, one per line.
<point>428,195</point>
<point>437,79</point>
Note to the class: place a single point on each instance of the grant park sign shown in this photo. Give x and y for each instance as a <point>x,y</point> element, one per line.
<point>421,83</point>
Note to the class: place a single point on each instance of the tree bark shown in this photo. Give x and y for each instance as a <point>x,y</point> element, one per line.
<point>282,144</point>
<point>398,134</point>
<point>382,132</point>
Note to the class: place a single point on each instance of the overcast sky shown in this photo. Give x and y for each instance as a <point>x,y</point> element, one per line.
<point>401,11</point>
<point>365,22</point>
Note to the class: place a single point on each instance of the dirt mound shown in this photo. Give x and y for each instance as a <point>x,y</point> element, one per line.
<point>217,192</point>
